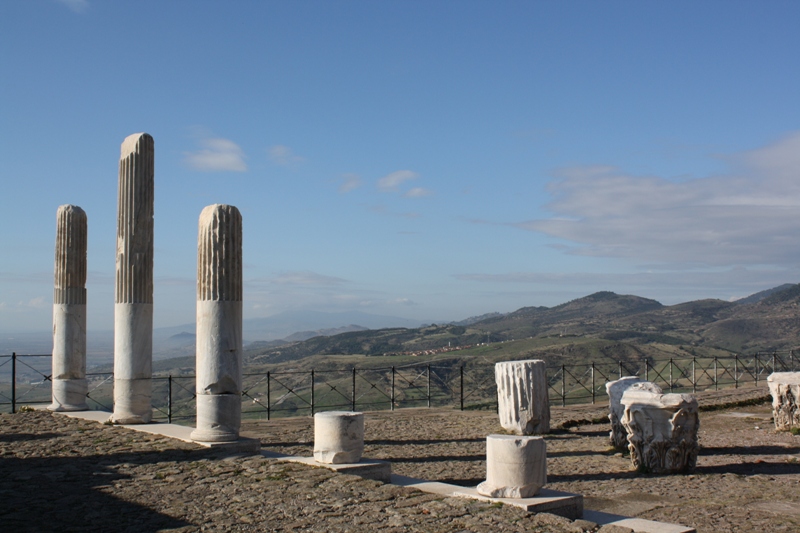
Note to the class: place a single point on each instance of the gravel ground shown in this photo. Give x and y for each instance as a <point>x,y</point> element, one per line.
<point>64,474</point>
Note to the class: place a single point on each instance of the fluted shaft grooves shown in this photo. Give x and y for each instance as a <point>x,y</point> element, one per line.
<point>70,263</point>
<point>134,281</point>
<point>219,254</point>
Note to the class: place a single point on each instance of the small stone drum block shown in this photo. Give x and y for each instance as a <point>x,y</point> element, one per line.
<point>338,437</point>
<point>516,466</point>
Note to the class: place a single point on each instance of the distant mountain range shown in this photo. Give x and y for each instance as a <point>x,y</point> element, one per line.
<point>767,320</point>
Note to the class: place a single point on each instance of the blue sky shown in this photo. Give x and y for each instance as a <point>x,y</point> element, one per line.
<point>430,160</point>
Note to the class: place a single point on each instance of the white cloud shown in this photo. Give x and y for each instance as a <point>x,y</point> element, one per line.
<point>216,155</point>
<point>283,155</point>
<point>391,182</point>
<point>349,182</point>
<point>78,6</point>
<point>417,192</point>
<point>33,303</point>
<point>746,217</point>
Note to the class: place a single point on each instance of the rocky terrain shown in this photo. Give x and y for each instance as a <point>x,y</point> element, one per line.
<point>59,473</point>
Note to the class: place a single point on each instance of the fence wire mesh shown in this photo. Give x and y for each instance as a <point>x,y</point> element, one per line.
<point>463,384</point>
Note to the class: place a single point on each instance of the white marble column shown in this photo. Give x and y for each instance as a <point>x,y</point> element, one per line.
<point>219,324</point>
<point>522,398</point>
<point>69,311</point>
<point>133,309</point>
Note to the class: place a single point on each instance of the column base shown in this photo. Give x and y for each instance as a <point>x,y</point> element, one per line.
<point>219,417</point>
<point>69,395</point>
<point>132,401</point>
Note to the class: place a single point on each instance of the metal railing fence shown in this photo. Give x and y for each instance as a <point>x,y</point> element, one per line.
<point>463,384</point>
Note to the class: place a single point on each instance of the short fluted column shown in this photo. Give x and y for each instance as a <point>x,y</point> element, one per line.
<point>133,308</point>
<point>69,311</point>
<point>522,399</point>
<point>219,324</point>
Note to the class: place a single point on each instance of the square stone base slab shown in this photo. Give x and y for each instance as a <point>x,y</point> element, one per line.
<point>365,468</point>
<point>241,446</point>
<point>555,502</point>
<point>636,524</point>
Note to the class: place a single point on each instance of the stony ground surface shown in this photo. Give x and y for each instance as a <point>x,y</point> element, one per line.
<point>63,474</point>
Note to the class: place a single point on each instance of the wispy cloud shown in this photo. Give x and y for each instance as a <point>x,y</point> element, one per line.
<point>283,155</point>
<point>216,155</point>
<point>417,192</point>
<point>306,278</point>
<point>78,6</point>
<point>747,217</point>
<point>349,182</point>
<point>391,182</point>
<point>382,210</point>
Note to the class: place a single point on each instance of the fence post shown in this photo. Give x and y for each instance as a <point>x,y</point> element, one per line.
<point>354,389</point>
<point>646,370</point>
<point>392,388</point>
<point>563,387</point>
<point>13,382</point>
<point>312,392</point>
<point>169,399</point>
<point>716,381</point>
<point>592,382</point>
<point>620,369</point>
<point>268,400</point>
<point>694,375</point>
<point>736,371</point>
<point>461,389</point>
<point>429,385</point>
<point>773,361</point>
<point>755,373</point>
<point>671,386</point>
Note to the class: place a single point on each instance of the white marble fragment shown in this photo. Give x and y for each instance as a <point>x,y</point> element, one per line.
<point>516,466</point>
<point>133,294</point>
<point>219,324</point>
<point>662,431</point>
<point>338,437</point>
<point>522,398</point>
<point>785,390</point>
<point>615,390</point>
<point>69,311</point>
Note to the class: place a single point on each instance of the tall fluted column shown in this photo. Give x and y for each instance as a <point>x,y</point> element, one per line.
<point>219,324</point>
<point>69,311</point>
<point>133,309</point>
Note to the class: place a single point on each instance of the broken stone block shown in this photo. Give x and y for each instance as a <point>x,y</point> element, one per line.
<point>615,390</point>
<point>662,431</point>
<point>522,399</point>
<point>516,467</point>
<point>785,390</point>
